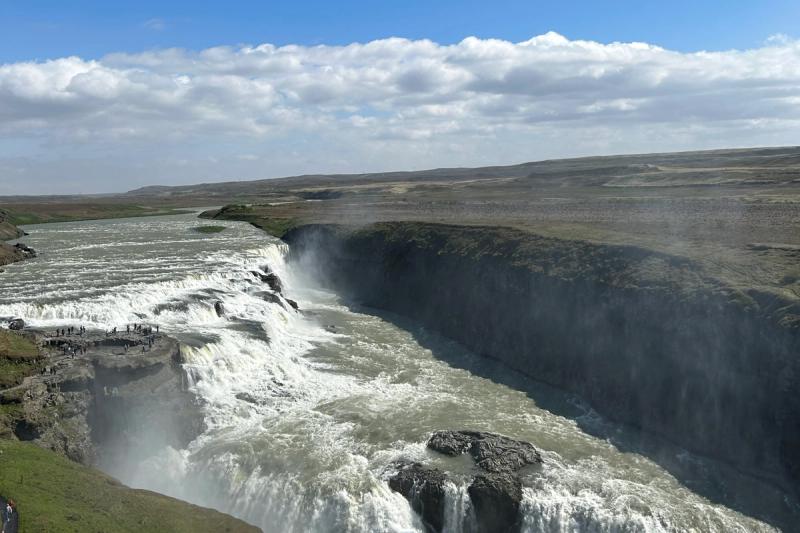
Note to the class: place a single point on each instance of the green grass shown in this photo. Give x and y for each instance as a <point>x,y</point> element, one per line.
<point>16,346</point>
<point>54,494</point>
<point>45,213</point>
<point>209,229</point>
<point>255,215</point>
<point>276,227</point>
<point>18,358</point>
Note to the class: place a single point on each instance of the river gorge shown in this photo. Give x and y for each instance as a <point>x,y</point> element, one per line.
<point>305,412</point>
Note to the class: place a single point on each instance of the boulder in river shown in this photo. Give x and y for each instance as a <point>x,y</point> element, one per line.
<point>270,297</point>
<point>492,452</point>
<point>219,307</point>
<point>293,304</point>
<point>496,499</point>
<point>16,324</point>
<point>274,282</point>
<point>270,279</point>
<point>25,249</point>
<point>423,487</point>
<point>495,493</point>
<point>246,397</point>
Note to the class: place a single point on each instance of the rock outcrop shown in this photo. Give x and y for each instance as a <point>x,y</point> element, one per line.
<point>496,499</point>
<point>13,253</point>
<point>492,452</point>
<point>270,278</point>
<point>107,397</point>
<point>16,324</point>
<point>423,487</point>
<point>495,493</point>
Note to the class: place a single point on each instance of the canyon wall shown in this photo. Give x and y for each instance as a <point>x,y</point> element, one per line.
<point>646,338</point>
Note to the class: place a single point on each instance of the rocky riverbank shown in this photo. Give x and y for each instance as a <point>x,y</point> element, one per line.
<point>648,339</point>
<point>12,253</point>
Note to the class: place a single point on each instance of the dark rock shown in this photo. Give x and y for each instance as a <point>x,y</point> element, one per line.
<point>25,249</point>
<point>450,443</point>
<point>270,278</point>
<point>293,304</point>
<point>270,297</point>
<point>423,487</point>
<point>219,307</point>
<point>495,495</point>
<point>259,275</point>
<point>16,324</point>
<point>246,397</point>
<point>492,452</point>
<point>496,500</point>
<point>274,282</point>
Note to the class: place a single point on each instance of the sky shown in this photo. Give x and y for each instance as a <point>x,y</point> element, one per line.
<point>110,96</point>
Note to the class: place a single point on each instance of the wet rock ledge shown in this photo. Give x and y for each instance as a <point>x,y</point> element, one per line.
<point>495,491</point>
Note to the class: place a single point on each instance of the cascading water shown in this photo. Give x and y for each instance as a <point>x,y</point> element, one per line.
<point>305,410</point>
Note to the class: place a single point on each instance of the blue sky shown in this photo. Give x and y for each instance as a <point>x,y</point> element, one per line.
<point>110,96</point>
<point>31,29</point>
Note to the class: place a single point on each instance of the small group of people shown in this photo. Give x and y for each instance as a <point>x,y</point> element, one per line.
<point>10,518</point>
<point>71,351</point>
<point>48,371</point>
<point>63,332</point>
<point>141,328</point>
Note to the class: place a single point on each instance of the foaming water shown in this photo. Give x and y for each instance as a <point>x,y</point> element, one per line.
<point>306,411</point>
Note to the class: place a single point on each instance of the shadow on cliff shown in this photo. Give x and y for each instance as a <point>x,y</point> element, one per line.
<point>718,482</point>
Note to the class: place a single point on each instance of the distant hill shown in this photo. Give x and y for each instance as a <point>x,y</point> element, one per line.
<point>680,168</point>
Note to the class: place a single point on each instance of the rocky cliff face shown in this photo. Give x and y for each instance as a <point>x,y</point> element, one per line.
<point>105,404</point>
<point>646,338</point>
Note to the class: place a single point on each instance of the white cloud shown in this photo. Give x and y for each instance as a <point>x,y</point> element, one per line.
<point>397,103</point>
<point>155,24</point>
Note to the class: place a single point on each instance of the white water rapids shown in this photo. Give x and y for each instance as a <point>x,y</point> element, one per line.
<point>305,411</point>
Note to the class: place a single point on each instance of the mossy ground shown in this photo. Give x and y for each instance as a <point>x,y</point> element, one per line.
<point>54,494</point>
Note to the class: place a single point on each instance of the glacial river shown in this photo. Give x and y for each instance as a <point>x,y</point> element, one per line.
<point>304,411</point>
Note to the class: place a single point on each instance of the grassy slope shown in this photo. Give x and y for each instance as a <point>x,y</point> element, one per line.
<point>33,213</point>
<point>17,358</point>
<point>255,215</point>
<point>54,494</point>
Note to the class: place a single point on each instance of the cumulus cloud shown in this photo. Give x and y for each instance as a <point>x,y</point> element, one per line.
<point>414,103</point>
